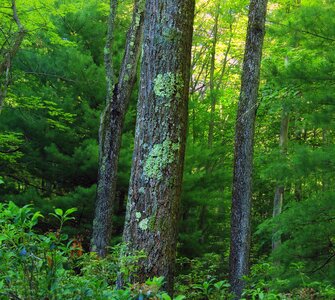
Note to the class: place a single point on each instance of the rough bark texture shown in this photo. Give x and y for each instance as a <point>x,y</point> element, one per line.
<point>156,176</point>
<point>279,193</point>
<point>244,141</point>
<point>111,130</point>
<point>108,50</point>
<point>9,54</point>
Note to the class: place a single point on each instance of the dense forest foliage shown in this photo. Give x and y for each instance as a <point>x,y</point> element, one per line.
<point>53,91</point>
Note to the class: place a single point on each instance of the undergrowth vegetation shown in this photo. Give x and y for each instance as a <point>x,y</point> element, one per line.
<point>50,265</point>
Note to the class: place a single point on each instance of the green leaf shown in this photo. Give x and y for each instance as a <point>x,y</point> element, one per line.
<point>59,212</point>
<point>166,297</point>
<point>70,211</point>
<point>3,237</point>
<point>180,297</point>
<point>36,216</point>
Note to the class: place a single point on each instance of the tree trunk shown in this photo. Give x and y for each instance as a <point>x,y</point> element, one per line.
<point>212,94</point>
<point>212,91</point>
<point>279,193</point>
<point>156,176</point>
<point>6,62</point>
<point>110,131</point>
<point>244,142</point>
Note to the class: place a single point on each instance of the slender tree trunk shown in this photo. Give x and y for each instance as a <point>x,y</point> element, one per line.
<point>204,209</point>
<point>156,176</point>
<point>111,125</point>
<point>212,79</point>
<point>244,142</point>
<point>6,61</point>
<point>279,193</point>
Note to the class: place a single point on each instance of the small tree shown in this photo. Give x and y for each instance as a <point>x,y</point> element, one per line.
<point>244,143</point>
<point>111,124</point>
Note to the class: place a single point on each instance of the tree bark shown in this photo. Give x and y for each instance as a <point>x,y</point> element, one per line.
<point>111,125</point>
<point>279,193</point>
<point>156,176</point>
<point>244,141</point>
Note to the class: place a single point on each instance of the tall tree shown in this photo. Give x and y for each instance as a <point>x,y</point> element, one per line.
<point>244,142</point>
<point>279,193</point>
<point>156,176</point>
<point>111,124</point>
<point>211,76</point>
<point>10,46</point>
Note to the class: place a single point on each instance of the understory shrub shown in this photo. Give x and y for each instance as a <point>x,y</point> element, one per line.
<point>52,266</point>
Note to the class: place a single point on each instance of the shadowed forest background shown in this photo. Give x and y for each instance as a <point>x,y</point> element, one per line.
<point>52,96</point>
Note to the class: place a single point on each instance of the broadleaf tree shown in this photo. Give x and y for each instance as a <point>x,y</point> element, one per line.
<point>160,138</point>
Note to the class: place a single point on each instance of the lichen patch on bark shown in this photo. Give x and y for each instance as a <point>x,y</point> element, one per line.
<point>159,157</point>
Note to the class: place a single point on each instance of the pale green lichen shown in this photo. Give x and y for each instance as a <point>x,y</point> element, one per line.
<point>144,224</point>
<point>126,78</point>
<point>138,216</point>
<point>168,84</point>
<point>137,20</point>
<point>170,34</point>
<point>106,51</point>
<point>141,190</point>
<point>159,158</point>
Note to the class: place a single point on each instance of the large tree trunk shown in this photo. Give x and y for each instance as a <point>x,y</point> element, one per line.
<point>244,142</point>
<point>279,193</point>
<point>111,125</point>
<point>156,176</point>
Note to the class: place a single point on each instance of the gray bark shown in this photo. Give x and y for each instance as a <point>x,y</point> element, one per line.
<point>110,131</point>
<point>156,176</point>
<point>244,142</point>
<point>279,193</point>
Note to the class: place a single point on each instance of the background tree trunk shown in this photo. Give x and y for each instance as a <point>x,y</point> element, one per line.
<point>111,124</point>
<point>212,79</point>
<point>279,193</point>
<point>9,54</point>
<point>244,141</point>
<point>212,91</point>
<point>156,176</point>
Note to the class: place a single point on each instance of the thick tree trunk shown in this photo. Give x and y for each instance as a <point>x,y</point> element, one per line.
<point>279,193</point>
<point>244,142</point>
<point>156,176</point>
<point>111,130</point>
